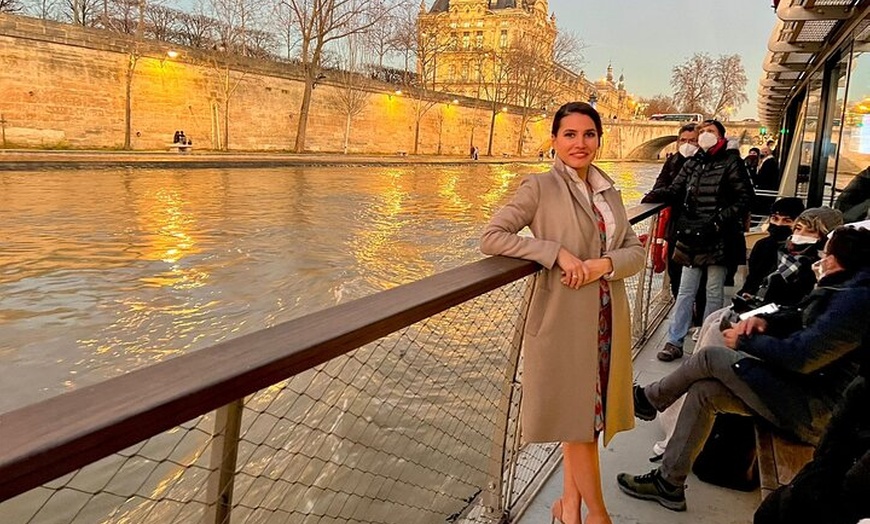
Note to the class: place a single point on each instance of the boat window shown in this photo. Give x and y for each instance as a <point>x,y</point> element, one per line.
<point>854,152</point>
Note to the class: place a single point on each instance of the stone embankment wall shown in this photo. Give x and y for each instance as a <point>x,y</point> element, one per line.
<point>66,86</point>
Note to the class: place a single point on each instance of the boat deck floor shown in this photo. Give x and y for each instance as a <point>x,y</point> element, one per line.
<point>630,451</point>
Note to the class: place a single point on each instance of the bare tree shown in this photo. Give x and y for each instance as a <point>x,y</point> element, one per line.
<point>349,96</point>
<point>132,60</point>
<point>378,38</point>
<point>162,22</point>
<point>11,6</point>
<point>196,30</point>
<point>693,82</point>
<point>319,24</point>
<point>427,48</point>
<point>495,67</point>
<point>729,85</point>
<point>82,12</point>
<point>404,39</point>
<point>658,104</point>
<point>44,9</point>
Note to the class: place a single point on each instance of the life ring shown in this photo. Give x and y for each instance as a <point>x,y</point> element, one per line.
<point>659,249</point>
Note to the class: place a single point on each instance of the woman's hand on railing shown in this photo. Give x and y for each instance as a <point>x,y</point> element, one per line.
<point>575,272</point>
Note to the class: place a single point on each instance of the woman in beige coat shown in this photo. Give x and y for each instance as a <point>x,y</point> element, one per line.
<point>577,362</point>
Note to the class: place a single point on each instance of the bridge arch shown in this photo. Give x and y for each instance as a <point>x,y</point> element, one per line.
<point>650,149</point>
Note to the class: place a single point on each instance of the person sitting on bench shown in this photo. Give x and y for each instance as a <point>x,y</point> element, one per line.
<point>789,368</point>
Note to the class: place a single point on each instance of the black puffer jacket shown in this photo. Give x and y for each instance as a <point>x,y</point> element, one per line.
<point>714,192</point>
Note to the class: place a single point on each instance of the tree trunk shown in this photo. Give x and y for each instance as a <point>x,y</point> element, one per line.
<point>416,135</point>
<point>226,145</point>
<point>491,131</point>
<point>524,120</point>
<point>346,133</point>
<point>128,104</point>
<point>303,114</point>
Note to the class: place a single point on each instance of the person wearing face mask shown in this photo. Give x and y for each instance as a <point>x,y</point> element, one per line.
<point>687,146</point>
<point>713,191</point>
<point>789,368</point>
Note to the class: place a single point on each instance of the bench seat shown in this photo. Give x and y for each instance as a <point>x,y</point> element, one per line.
<point>779,459</point>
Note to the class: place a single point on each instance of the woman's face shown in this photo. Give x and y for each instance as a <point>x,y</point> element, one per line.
<point>577,140</point>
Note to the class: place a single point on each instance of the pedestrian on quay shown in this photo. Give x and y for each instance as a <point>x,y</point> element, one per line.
<point>577,370</point>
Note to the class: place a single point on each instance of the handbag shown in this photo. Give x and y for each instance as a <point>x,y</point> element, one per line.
<point>729,456</point>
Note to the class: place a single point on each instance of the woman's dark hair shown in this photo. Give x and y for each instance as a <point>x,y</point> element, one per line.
<point>851,247</point>
<point>581,108</point>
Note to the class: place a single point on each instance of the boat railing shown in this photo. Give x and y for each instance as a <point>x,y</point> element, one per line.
<point>398,407</point>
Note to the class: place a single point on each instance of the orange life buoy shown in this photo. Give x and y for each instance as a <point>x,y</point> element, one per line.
<point>659,250</point>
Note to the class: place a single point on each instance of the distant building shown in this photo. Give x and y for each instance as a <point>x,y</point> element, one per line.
<point>502,51</point>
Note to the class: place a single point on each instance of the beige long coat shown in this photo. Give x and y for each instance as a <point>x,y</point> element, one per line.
<point>560,343</point>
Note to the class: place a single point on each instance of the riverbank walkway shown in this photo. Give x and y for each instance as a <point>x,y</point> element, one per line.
<point>29,159</point>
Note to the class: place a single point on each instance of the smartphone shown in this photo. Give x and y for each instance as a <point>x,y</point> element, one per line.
<point>763,310</point>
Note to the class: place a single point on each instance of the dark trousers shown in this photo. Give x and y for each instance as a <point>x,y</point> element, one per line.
<point>711,386</point>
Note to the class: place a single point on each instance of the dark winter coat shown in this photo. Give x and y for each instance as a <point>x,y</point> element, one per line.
<point>713,192</point>
<point>833,487</point>
<point>808,355</point>
<point>767,176</point>
<point>670,170</point>
<point>854,201</point>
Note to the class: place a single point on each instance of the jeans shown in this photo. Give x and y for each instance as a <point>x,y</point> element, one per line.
<point>689,282</point>
<point>711,386</point>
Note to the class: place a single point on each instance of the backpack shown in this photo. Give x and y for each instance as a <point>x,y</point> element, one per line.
<point>729,456</point>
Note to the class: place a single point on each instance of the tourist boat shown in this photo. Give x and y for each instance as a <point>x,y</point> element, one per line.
<point>353,414</point>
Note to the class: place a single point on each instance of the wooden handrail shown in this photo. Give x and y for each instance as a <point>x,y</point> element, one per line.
<point>51,438</point>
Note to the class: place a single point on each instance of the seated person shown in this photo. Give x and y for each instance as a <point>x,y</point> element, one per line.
<point>763,257</point>
<point>789,279</point>
<point>833,487</point>
<point>789,368</point>
<point>175,137</point>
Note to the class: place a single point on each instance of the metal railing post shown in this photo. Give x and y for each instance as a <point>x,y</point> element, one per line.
<point>505,442</point>
<point>224,453</point>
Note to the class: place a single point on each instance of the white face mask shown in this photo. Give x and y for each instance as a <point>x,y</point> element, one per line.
<point>801,240</point>
<point>707,140</point>
<point>818,269</point>
<point>688,150</point>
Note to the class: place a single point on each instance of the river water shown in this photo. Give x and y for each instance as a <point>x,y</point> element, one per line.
<point>105,271</point>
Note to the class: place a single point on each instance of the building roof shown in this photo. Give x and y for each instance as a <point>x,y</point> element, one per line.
<point>441,6</point>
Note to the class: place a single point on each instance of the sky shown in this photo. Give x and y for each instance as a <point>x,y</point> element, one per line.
<point>645,39</point>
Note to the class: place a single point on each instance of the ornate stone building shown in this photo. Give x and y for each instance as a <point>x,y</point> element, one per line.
<point>502,51</point>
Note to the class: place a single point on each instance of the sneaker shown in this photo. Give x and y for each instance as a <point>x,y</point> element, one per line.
<point>670,352</point>
<point>642,407</point>
<point>653,487</point>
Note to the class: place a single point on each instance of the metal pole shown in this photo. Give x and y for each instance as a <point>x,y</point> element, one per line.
<point>827,101</point>
<point>224,453</point>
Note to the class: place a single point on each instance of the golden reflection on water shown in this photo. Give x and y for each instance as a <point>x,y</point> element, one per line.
<point>105,273</point>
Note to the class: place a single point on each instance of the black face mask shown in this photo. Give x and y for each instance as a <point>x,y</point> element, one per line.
<point>778,232</point>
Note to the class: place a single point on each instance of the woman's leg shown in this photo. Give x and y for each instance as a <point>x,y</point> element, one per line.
<point>571,497</point>
<point>581,458</point>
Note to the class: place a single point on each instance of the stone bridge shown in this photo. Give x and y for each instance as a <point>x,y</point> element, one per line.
<point>645,140</point>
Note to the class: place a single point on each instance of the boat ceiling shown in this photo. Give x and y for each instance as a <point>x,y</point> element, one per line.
<point>806,32</point>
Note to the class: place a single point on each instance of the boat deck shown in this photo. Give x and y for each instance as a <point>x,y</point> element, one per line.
<point>630,451</point>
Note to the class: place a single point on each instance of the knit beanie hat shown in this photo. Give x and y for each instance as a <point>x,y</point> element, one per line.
<point>790,207</point>
<point>822,219</point>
